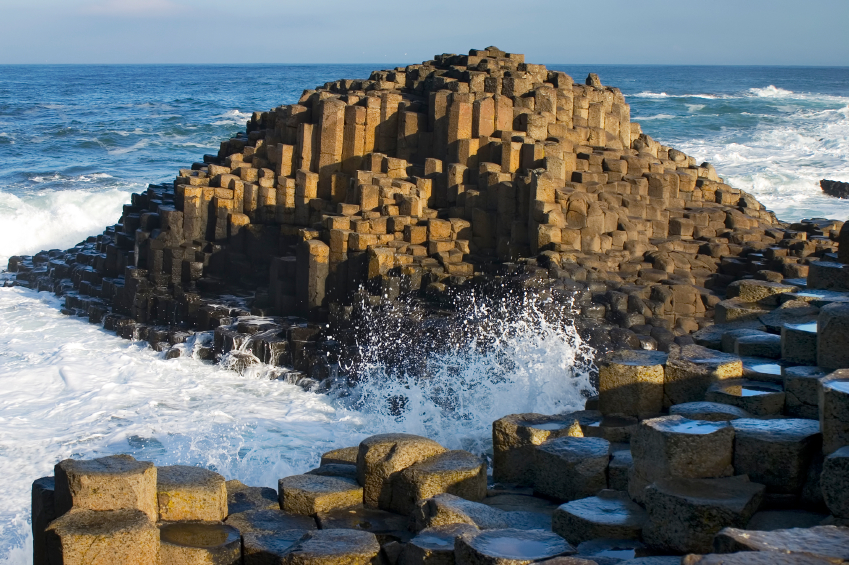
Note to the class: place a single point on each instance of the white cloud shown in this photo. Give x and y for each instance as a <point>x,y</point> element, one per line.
<point>134,8</point>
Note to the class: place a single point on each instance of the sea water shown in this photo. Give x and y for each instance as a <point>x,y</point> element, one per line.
<point>76,141</point>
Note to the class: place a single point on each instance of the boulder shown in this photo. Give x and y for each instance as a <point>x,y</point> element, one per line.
<point>755,397</point>
<point>777,452</point>
<point>434,545</point>
<point>833,396</point>
<point>103,537</point>
<point>610,514</point>
<point>691,369</point>
<point>514,438</point>
<point>241,497</point>
<point>508,547</point>
<point>381,456</point>
<point>310,494</point>
<point>570,468</point>
<point>190,493</point>
<point>456,472</point>
<point>199,544</point>
<point>115,482</point>
<point>631,383</point>
<point>835,483</point>
<point>685,514</point>
<point>709,411</point>
<point>828,542</point>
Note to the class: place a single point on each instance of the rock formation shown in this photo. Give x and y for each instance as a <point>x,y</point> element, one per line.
<point>835,188</point>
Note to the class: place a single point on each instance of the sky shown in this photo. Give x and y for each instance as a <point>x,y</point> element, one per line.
<point>715,32</point>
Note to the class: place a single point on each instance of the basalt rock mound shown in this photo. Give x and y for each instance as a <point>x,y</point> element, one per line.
<point>835,188</point>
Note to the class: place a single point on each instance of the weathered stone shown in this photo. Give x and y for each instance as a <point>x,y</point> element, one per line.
<point>343,456</point>
<point>269,521</point>
<point>456,472</point>
<point>115,482</point>
<point>685,514</point>
<point>631,383</point>
<point>386,526</point>
<point>190,493</point>
<point>833,396</point>
<point>754,558</point>
<point>332,547</point>
<point>691,369</point>
<point>761,292</point>
<point>736,310</point>
<point>381,456</point>
<point>758,345</point>
<point>435,545</point>
<point>755,397</point>
<point>43,512</point>
<point>832,336</point>
<point>335,470</point>
<point>619,469</point>
<point>801,386</point>
<point>508,547</point>
<point>268,548</point>
<point>514,438</point>
<point>776,453</point>
<point>310,494</point>
<point>835,483</point>
<point>610,514</point>
<point>799,343</point>
<point>241,497</point>
<point>570,468</point>
<point>711,336</point>
<point>199,544</point>
<point>828,542</point>
<point>607,550</point>
<point>104,537</point>
<point>445,509</point>
<point>771,520</point>
<point>709,411</point>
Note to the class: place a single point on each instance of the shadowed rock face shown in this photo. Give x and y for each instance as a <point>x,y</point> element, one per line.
<point>835,188</point>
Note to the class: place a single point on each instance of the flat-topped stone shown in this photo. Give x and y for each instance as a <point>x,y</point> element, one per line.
<point>755,397</point>
<point>758,345</point>
<point>103,537</point>
<point>606,550</point>
<point>514,438</point>
<point>754,558</point>
<point>609,514</point>
<point>332,547</point>
<point>835,483</point>
<point>827,275</point>
<point>764,293</point>
<point>762,369</point>
<point>344,470</point>
<point>199,544</point>
<point>737,310</point>
<point>777,452</point>
<point>509,547</point>
<point>631,383</point>
<point>820,298</point>
<point>569,468</point>
<point>729,338</point>
<point>447,509</point>
<point>615,429</point>
<point>832,336</point>
<point>310,494</point>
<point>190,493</point>
<point>115,482</point>
<point>456,472</point>
<point>380,456</point>
<point>709,411</point>
<point>833,400</point>
<point>685,514</point>
<point>386,526</point>
<point>269,521</point>
<point>435,545</point>
<point>711,336</point>
<point>793,312</point>
<point>801,385</point>
<point>691,369</point>
<point>241,497</point>
<point>828,542</point>
<point>261,548</point>
<point>345,455</point>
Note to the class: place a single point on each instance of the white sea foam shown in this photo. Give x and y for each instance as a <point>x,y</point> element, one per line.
<point>49,219</point>
<point>656,117</point>
<point>232,118</point>
<point>695,107</point>
<point>141,144</point>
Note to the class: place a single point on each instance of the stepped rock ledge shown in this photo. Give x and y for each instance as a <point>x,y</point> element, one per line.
<point>720,334</point>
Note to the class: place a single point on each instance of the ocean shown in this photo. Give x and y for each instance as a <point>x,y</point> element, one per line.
<point>76,141</point>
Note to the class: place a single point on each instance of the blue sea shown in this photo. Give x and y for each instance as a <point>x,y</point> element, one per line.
<point>76,141</point>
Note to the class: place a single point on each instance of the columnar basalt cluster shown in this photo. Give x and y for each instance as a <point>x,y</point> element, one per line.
<point>463,171</point>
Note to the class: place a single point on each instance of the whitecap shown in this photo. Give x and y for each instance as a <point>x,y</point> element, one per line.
<point>656,117</point>
<point>695,107</point>
<point>135,147</point>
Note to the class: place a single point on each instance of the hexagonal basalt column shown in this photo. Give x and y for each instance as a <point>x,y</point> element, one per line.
<point>105,537</point>
<point>755,397</point>
<point>610,514</point>
<point>509,547</point>
<point>631,383</point>
<point>514,438</point>
<point>332,547</point>
<point>833,393</point>
<point>199,544</point>
<point>835,482</point>
<point>709,411</point>
<point>833,336</point>
<point>801,385</point>
<point>691,369</point>
<point>310,494</point>
<point>799,343</point>
<point>456,472</point>
<point>570,468</point>
<point>435,545</point>
<point>190,493</point>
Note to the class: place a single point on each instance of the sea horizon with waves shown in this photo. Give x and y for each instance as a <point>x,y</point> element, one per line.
<point>76,141</point>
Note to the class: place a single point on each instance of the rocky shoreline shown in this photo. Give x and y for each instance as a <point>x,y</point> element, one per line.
<point>721,422</point>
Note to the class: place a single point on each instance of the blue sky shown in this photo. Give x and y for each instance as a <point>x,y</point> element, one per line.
<point>722,32</point>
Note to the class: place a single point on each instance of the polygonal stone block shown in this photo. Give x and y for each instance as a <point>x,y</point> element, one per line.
<point>828,542</point>
<point>310,494</point>
<point>729,338</point>
<point>764,293</point>
<point>43,512</point>
<point>386,526</point>
<point>264,548</point>
<point>832,336</point>
<point>456,472</point>
<point>631,383</point>
<point>270,521</point>
<point>190,493</point>
<point>685,514</point>
<point>827,275</point>
<point>691,369</point>
<point>799,343</point>
<point>776,453</point>
<point>447,509</point>
<point>801,385</point>
<point>345,455</point>
<point>610,514</point>
<point>241,497</point>
<point>509,547</point>
<point>754,558</point>
<point>735,310</point>
<point>709,411</point>
<point>332,547</point>
<point>835,483</point>
<point>514,438</point>
<point>105,537</point>
<point>435,545</point>
<point>619,469</point>
<point>570,468</point>
<point>758,398</point>
<point>199,544</point>
<point>833,394</point>
<point>335,470</point>
<point>380,456</point>
<point>763,345</point>
<point>115,482</point>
